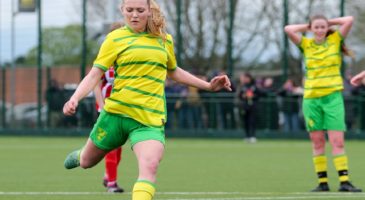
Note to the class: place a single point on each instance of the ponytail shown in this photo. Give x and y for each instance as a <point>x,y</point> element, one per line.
<point>156,24</point>
<point>346,51</point>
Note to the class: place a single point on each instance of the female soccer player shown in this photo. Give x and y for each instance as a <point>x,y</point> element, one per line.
<point>143,55</point>
<point>323,105</point>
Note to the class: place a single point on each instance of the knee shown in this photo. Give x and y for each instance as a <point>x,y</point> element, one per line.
<point>338,144</point>
<point>150,165</point>
<point>85,163</point>
<point>318,144</point>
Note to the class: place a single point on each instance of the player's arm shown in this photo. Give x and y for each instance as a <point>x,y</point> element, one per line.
<point>217,83</point>
<point>98,95</point>
<point>345,24</point>
<point>356,80</point>
<point>295,31</point>
<point>85,87</point>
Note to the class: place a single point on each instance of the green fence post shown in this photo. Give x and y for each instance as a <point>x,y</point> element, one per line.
<point>230,38</point>
<point>342,13</point>
<point>12,78</point>
<point>178,32</point>
<point>3,89</point>
<point>3,99</point>
<point>285,62</point>
<point>48,80</point>
<point>39,60</point>
<point>84,44</point>
<point>342,8</point>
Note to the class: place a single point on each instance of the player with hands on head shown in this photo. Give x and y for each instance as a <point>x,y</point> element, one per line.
<point>323,105</point>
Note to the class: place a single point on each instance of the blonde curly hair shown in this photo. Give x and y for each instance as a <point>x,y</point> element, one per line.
<point>156,24</point>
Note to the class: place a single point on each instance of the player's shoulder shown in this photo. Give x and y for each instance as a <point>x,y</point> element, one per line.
<point>336,35</point>
<point>118,33</point>
<point>305,40</point>
<point>169,38</point>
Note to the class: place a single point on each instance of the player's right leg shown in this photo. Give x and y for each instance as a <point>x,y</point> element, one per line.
<point>87,157</point>
<point>106,135</point>
<point>320,160</point>
<point>314,122</point>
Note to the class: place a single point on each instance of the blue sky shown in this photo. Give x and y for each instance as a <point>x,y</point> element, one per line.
<point>55,13</point>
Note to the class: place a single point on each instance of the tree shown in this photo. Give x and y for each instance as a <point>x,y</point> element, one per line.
<point>258,30</point>
<point>62,46</point>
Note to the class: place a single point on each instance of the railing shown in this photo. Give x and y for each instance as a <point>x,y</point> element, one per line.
<point>207,112</point>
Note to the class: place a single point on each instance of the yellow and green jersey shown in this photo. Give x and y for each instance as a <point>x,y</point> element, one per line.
<point>141,62</point>
<point>322,65</point>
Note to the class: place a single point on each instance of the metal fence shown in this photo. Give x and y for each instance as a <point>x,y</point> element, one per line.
<point>215,112</point>
<point>56,44</point>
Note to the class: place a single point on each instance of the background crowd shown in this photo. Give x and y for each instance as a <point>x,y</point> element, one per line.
<point>264,103</point>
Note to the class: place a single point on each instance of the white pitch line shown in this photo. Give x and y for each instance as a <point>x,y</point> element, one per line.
<point>274,198</point>
<point>159,193</point>
<point>53,193</point>
<point>279,196</point>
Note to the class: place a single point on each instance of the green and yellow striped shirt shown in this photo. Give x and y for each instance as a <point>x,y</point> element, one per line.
<point>322,65</point>
<point>141,62</point>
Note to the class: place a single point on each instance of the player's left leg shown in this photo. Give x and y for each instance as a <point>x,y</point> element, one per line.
<point>340,161</point>
<point>149,154</point>
<point>148,146</point>
<point>334,120</point>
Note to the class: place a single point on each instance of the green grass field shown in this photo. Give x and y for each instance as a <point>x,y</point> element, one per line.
<point>31,168</point>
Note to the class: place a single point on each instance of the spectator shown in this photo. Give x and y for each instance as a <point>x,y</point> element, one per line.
<point>248,95</point>
<point>210,107</point>
<point>349,101</point>
<point>269,107</point>
<point>290,105</point>
<point>359,92</point>
<point>227,107</point>
<point>194,108</point>
<point>171,99</point>
<point>54,97</point>
<point>181,107</point>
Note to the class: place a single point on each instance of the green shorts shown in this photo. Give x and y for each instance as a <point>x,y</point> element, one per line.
<point>112,131</point>
<point>325,113</point>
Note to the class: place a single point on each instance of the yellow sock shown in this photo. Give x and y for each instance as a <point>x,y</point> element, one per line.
<point>320,166</point>
<point>341,164</point>
<point>143,190</point>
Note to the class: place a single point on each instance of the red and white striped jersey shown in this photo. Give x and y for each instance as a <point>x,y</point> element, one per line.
<point>107,81</point>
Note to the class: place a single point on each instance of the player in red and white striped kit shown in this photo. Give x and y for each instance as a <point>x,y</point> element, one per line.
<point>112,159</point>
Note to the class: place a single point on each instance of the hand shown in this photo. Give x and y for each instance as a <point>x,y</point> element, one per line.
<point>220,82</point>
<point>70,107</point>
<point>356,80</point>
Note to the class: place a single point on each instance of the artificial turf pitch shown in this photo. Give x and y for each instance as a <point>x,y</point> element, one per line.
<point>31,168</point>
